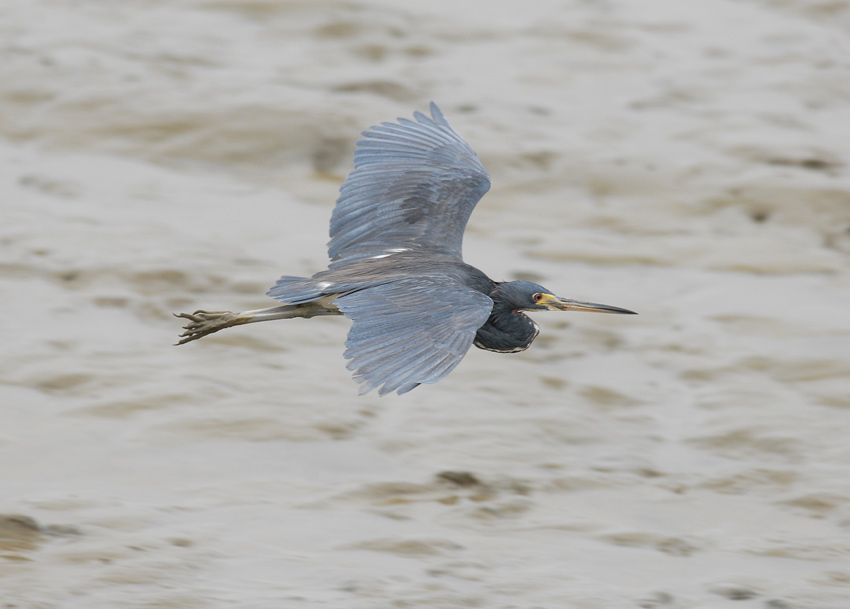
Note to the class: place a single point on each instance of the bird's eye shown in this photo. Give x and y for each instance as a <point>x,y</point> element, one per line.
<point>537,297</point>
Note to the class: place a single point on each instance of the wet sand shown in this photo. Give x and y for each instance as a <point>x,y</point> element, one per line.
<point>688,162</point>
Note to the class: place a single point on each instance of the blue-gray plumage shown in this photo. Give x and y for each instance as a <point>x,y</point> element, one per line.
<point>396,266</point>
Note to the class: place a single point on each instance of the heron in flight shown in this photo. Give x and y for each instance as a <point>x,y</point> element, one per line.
<point>396,269</point>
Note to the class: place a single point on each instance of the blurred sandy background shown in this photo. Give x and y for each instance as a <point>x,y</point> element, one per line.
<point>686,160</point>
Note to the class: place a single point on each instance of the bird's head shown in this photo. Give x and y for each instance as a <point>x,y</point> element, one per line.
<point>527,296</point>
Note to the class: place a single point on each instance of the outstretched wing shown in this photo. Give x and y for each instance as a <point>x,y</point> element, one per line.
<point>410,331</point>
<point>413,187</point>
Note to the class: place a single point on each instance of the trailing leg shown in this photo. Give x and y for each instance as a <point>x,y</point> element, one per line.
<point>202,323</point>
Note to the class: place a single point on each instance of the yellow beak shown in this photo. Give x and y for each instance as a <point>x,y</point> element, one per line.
<point>554,303</point>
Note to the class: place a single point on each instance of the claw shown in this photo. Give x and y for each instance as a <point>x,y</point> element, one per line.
<point>201,323</point>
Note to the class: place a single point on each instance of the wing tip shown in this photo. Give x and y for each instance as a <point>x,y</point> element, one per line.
<point>437,117</point>
<point>385,389</point>
<point>437,114</point>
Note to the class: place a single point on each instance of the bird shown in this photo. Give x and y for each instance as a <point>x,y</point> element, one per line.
<point>396,268</point>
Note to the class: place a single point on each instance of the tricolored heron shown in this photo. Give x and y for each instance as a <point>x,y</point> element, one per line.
<point>396,268</point>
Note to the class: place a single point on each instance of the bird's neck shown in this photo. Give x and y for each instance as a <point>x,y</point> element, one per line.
<point>506,331</point>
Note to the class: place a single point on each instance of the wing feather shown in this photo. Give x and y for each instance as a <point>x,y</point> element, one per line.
<point>410,331</point>
<point>414,186</point>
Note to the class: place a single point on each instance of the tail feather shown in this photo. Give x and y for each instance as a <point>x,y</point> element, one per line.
<point>296,290</point>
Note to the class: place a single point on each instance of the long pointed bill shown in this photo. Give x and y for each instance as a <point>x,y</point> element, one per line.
<point>554,303</point>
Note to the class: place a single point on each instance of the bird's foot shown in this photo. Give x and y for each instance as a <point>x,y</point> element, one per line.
<point>202,323</point>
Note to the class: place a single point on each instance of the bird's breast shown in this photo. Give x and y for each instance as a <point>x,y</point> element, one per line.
<point>507,334</point>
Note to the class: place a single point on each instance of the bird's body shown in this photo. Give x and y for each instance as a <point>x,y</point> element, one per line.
<point>396,267</point>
